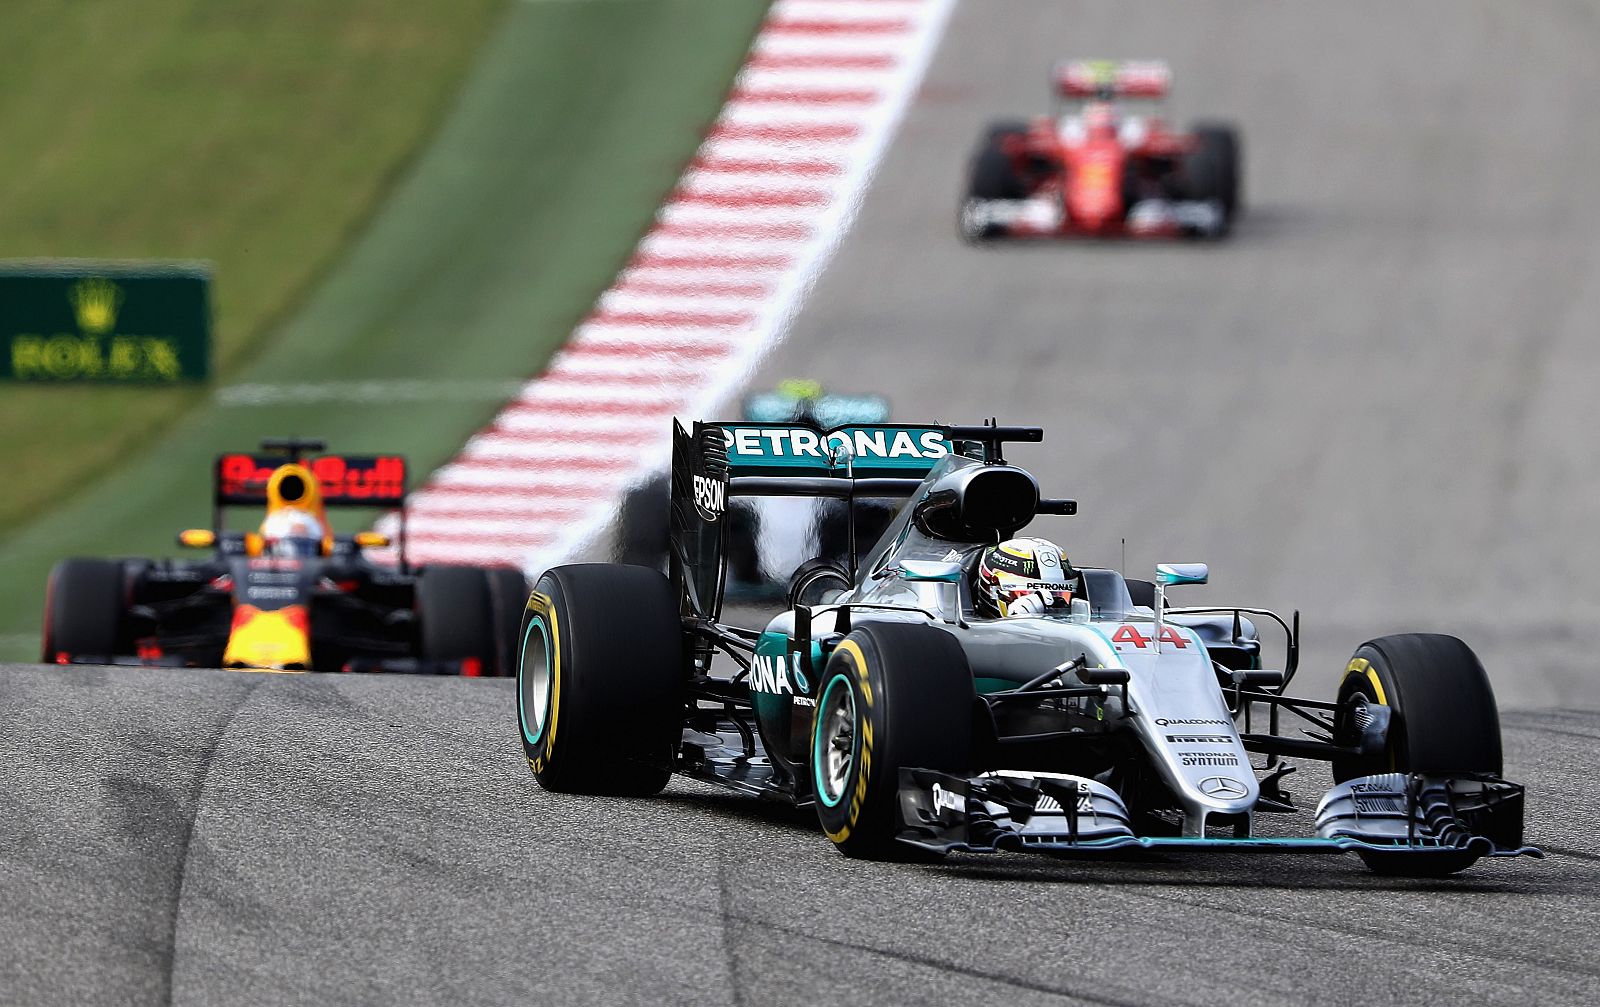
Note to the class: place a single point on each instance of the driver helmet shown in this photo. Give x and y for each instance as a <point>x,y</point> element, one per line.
<point>291,531</point>
<point>1024,576</point>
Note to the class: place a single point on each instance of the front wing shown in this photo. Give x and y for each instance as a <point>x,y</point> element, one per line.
<point>1042,217</point>
<point>1391,813</point>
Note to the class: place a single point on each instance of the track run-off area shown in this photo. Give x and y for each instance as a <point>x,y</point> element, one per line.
<point>1370,403</point>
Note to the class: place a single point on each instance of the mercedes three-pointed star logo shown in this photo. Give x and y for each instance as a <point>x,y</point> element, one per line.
<point>1222,786</point>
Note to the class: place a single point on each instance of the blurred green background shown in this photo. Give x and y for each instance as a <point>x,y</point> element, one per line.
<point>403,190</point>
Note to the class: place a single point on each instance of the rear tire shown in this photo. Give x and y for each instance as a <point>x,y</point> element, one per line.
<point>508,594</point>
<point>600,680</point>
<point>85,606</point>
<point>644,525</point>
<point>742,542</point>
<point>1444,721</point>
<point>456,617</point>
<point>892,696</point>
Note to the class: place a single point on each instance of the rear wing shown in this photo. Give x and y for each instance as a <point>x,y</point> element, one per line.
<point>1106,79</point>
<point>240,480</point>
<point>715,461</point>
<point>345,480</point>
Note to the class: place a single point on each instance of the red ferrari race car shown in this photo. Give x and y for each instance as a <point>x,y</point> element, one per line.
<point>1098,168</point>
<point>291,595</point>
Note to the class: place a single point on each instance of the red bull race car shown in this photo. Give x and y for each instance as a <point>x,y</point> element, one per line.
<point>291,595</point>
<point>1101,167</point>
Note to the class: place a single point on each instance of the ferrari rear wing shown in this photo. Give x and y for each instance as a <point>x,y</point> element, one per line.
<point>1106,79</point>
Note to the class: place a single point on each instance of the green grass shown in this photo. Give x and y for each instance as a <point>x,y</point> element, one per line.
<point>571,127</point>
<point>258,134</point>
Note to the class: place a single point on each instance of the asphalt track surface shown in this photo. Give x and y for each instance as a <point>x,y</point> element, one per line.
<point>1373,403</point>
<point>188,837</point>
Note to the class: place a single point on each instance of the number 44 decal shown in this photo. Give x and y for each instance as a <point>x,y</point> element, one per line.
<point>1131,635</point>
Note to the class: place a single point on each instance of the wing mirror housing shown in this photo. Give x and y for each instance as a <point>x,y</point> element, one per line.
<point>197,538</point>
<point>944,578</point>
<point>930,570</point>
<point>1172,574</point>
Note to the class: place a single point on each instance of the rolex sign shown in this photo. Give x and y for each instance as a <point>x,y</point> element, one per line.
<point>131,323</point>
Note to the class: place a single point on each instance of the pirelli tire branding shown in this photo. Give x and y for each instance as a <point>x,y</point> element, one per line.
<point>856,796</point>
<point>539,709</point>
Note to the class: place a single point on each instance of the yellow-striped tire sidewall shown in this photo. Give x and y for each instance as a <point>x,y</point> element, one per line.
<point>540,616</point>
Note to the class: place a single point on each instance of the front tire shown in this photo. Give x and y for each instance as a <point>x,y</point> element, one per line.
<point>600,680</point>
<point>1212,171</point>
<point>892,696</point>
<point>1444,721</point>
<point>991,176</point>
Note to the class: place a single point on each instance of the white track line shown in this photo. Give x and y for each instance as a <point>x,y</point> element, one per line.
<point>378,392</point>
<point>709,290</point>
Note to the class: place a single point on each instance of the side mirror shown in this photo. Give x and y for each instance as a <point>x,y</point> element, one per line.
<point>929,570</point>
<point>947,580</point>
<point>370,540</point>
<point>1170,574</point>
<point>197,538</point>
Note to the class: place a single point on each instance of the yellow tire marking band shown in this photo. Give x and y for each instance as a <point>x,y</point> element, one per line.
<point>858,661</point>
<point>1361,666</point>
<point>542,606</point>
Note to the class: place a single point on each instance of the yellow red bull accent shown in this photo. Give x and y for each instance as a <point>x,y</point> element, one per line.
<point>275,638</point>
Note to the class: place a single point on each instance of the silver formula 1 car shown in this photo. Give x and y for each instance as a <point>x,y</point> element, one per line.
<point>883,698</point>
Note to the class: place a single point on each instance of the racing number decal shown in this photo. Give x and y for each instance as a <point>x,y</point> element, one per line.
<point>858,661</point>
<point>1130,636</point>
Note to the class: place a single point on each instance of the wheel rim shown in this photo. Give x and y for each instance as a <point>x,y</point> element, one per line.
<point>834,753</point>
<point>533,680</point>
